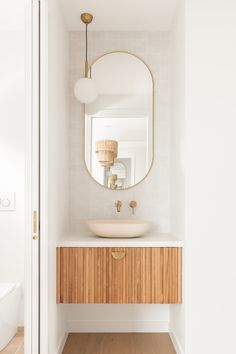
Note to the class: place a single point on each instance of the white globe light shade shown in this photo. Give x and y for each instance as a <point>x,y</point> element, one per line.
<point>85,90</point>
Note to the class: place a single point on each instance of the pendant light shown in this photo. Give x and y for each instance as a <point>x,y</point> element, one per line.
<point>106,152</point>
<point>85,89</point>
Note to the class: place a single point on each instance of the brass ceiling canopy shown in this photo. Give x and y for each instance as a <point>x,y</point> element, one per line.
<point>86,18</point>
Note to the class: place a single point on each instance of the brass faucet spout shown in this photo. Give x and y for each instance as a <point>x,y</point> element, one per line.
<point>133,205</point>
<point>118,205</point>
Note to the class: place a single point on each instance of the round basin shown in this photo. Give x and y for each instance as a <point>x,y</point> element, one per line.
<point>118,228</point>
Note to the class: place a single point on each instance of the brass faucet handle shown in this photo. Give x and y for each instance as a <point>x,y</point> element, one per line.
<point>133,205</point>
<point>118,205</point>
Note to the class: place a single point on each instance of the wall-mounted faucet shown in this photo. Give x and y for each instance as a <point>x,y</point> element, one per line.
<point>133,205</point>
<point>118,205</point>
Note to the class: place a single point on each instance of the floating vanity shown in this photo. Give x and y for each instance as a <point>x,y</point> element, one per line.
<point>147,270</point>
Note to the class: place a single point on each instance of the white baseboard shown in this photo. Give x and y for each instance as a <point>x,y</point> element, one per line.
<point>176,343</point>
<point>61,344</point>
<point>117,326</point>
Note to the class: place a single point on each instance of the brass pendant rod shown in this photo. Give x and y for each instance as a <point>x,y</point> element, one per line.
<point>86,51</point>
<point>86,69</point>
<point>86,18</point>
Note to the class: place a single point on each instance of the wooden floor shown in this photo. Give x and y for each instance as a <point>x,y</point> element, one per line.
<point>119,343</point>
<point>16,345</point>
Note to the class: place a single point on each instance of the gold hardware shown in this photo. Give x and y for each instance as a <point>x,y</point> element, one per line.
<point>133,205</point>
<point>118,205</point>
<point>86,18</point>
<point>35,237</point>
<point>118,255</point>
<point>86,68</point>
<point>35,221</point>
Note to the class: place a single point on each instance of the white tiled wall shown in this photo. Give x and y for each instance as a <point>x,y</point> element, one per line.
<point>87,198</point>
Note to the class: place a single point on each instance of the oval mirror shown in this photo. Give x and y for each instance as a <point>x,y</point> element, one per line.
<point>119,124</point>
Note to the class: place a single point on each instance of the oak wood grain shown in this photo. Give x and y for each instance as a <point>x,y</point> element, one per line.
<point>143,276</point>
<point>117,343</point>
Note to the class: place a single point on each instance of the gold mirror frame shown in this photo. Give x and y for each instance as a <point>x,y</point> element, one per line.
<point>153,121</point>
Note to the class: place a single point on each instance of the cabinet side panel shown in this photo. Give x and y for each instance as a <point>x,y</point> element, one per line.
<point>58,275</point>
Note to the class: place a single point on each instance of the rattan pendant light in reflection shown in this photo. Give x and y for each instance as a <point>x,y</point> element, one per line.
<point>85,88</point>
<point>106,152</point>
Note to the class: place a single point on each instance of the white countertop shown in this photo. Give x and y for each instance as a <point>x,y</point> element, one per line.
<point>150,240</point>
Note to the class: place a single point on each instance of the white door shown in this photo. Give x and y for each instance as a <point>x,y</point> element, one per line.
<point>35,177</point>
<point>32,278</point>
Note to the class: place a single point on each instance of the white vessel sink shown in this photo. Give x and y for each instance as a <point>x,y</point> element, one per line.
<point>118,228</point>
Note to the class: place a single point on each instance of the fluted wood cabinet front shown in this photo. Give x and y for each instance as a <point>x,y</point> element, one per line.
<point>118,275</point>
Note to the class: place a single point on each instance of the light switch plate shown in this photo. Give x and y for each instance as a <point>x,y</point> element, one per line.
<point>7,201</point>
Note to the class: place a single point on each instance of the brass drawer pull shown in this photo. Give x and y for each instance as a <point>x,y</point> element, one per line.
<point>118,255</point>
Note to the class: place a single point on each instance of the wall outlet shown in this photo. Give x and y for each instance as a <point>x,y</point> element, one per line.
<point>7,201</point>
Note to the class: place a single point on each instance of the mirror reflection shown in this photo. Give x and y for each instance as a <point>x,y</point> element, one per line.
<point>119,124</point>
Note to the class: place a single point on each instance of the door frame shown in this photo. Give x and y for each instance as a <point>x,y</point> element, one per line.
<point>31,339</point>
<point>36,251</point>
<point>44,245</point>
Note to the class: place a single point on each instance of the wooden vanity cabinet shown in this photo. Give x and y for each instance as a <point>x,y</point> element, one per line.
<point>118,275</point>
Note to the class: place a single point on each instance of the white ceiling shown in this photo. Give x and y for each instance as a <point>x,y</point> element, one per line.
<point>120,129</point>
<point>120,15</point>
<point>12,15</point>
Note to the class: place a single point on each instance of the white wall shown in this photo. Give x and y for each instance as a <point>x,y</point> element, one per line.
<point>177,138</point>
<point>58,121</point>
<point>87,198</point>
<point>12,134</point>
<point>177,122</point>
<point>211,176</point>
<point>117,318</point>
